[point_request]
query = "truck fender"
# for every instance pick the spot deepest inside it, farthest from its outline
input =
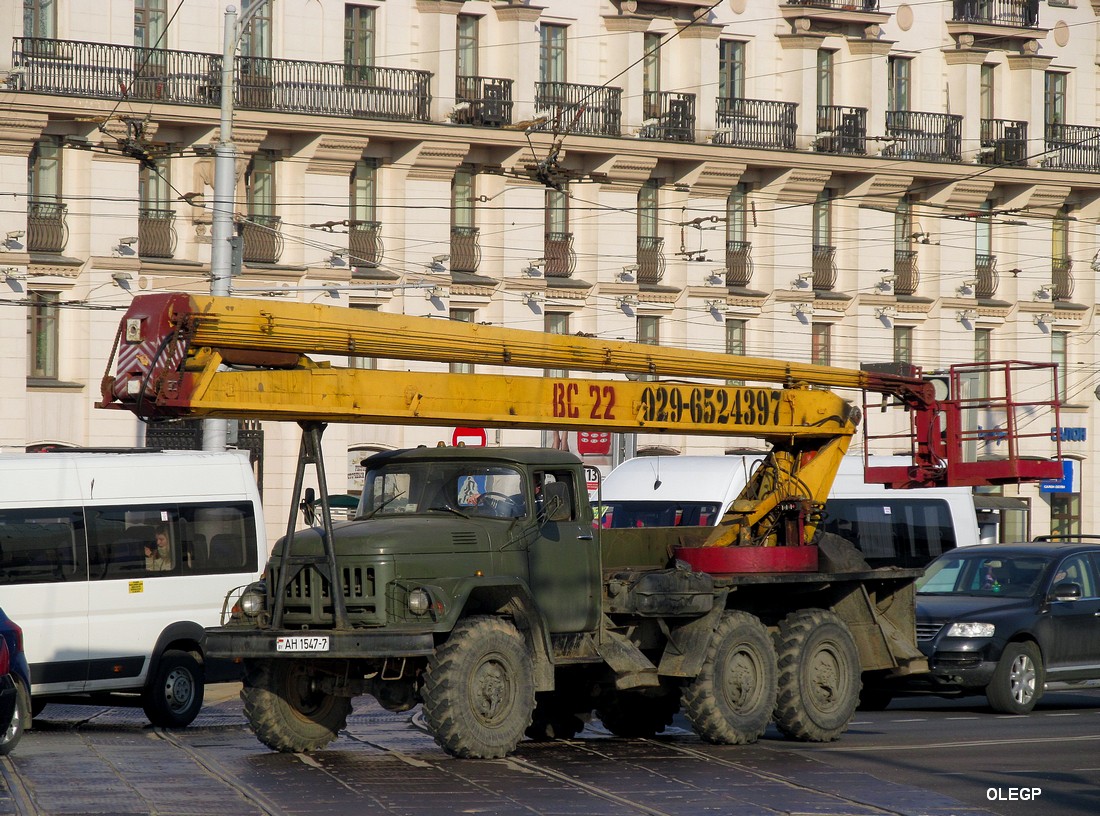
(503, 596)
(686, 643)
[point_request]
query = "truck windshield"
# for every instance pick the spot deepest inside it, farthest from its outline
(470, 489)
(658, 514)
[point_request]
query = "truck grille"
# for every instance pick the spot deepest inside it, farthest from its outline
(927, 631)
(308, 596)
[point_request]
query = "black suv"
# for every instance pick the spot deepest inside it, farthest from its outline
(1009, 620)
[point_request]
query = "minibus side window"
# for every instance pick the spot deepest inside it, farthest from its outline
(218, 538)
(42, 546)
(122, 538)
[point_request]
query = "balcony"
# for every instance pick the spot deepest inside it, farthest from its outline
(841, 130)
(465, 249)
(837, 5)
(1072, 147)
(1061, 276)
(1004, 142)
(924, 136)
(1013, 13)
(738, 263)
(906, 275)
(755, 123)
(846, 17)
(592, 110)
(120, 72)
(263, 240)
(651, 259)
(365, 247)
(669, 117)
(46, 227)
(557, 251)
(985, 273)
(482, 101)
(824, 268)
(156, 232)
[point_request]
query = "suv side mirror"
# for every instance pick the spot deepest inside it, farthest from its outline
(1066, 591)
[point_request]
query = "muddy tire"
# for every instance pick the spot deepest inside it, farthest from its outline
(173, 694)
(819, 676)
(731, 700)
(287, 709)
(479, 689)
(1018, 680)
(639, 714)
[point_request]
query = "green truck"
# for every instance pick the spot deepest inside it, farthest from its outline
(475, 582)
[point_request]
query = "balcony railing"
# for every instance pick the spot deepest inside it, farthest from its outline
(263, 241)
(738, 263)
(924, 136)
(838, 5)
(1061, 275)
(841, 130)
(669, 116)
(755, 123)
(465, 249)
(1072, 147)
(985, 274)
(1015, 13)
(46, 227)
(1004, 142)
(156, 232)
(651, 259)
(365, 247)
(105, 71)
(906, 275)
(558, 254)
(594, 110)
(824, 267)
(482, 101)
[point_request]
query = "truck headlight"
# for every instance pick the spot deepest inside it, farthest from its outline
(252, 602)
(419, 602)
(971, 629)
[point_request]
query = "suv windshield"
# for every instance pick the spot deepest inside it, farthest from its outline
(1007, 575)
(430, 487)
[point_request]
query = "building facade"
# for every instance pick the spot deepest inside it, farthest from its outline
(818, 180)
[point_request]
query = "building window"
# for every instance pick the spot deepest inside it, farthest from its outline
(1059, 354)
(737, 203)
(903, 224)
(149, 20)
(256, 39)
(1054, 98)
(647, 209)
(364, 191)
(651, 75)
(358, 42)
(466, 48)
(556, 323)
(823, 219)
(903, 344)
(42, 335)
(552, 53)
(44, 171)
(897, 83)
(40, 18)
(463, 316)
(1065, 514)
(986, 89)
(1059, 238)
(735, 342)
(824, 77)
(355, 361)
(259, 183)
(983, 353)
(731, 69)
(557, 212)
(821, 343)
(462, 198)
(983, 234)
(154, 188)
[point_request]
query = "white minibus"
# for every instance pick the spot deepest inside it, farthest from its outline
(904, 528)
(113, 563)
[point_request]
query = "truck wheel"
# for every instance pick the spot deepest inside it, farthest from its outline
(1018, 680)
(731, 700)
(479, 689)
(287, 709)
(819, 676)
(173, 694)
(636, 714)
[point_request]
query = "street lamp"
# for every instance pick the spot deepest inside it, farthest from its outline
(225, 185)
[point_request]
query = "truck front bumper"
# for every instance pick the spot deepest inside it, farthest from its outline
(233, 642)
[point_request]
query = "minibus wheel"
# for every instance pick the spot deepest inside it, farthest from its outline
(173, 694)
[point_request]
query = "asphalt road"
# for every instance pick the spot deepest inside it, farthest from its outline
(924, 757)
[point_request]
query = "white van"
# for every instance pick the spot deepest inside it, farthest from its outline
(107, 615)
(906, 528)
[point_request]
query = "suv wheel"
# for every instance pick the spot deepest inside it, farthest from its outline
(1017, 683)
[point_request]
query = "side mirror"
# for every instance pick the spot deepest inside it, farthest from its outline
(308, 508)
(1066, 591)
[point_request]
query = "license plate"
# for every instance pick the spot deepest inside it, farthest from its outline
(302, 643)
